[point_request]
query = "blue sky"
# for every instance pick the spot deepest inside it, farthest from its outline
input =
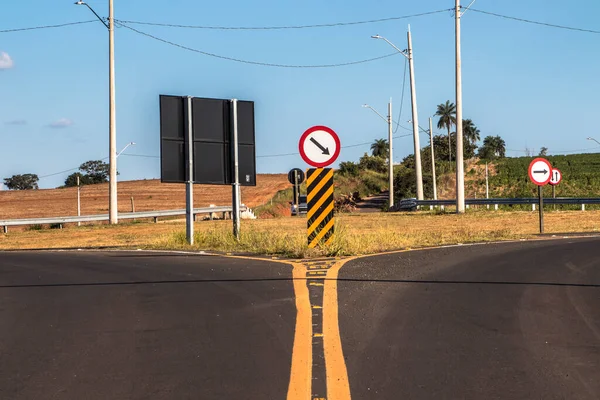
(534, 86)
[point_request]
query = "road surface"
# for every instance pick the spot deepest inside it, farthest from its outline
(506, 321)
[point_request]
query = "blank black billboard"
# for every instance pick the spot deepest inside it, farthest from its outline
(172, 143)
(212, 135)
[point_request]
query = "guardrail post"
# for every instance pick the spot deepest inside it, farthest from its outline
(533, 207)
(430, 208)
(583, 207)
(5, 229)
(156, 220)
(495, 207)
(442, 207)
(467, 206)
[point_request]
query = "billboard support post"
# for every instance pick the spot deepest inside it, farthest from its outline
(189, 185)
(236, 172)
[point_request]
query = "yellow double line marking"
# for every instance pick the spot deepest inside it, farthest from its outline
(338, 387)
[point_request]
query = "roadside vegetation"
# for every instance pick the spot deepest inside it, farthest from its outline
(356, 234)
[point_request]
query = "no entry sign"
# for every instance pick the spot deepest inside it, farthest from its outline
(540, 171)
(319, 146)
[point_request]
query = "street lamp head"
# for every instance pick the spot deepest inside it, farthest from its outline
(365, 105)
(80, 3)
(376, 37)
(590, 138)
(132, 143)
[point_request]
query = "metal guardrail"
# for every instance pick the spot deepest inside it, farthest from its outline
(104, 217)
(413, 204)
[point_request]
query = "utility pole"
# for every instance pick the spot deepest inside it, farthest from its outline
(432, 158)
(391, 155)
(113, 204)
(460, 168)
(113, 210)
(415, 119)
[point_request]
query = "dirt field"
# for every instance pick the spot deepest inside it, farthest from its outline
(148, 195)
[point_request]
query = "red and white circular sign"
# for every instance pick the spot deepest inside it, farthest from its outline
(556, 177)
(319, 146)
(540, 171)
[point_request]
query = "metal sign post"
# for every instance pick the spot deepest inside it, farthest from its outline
(541, 207)
(236, 173)
(189, 185)
(540, 173)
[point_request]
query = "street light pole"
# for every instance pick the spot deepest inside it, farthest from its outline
(408, 54)
(112, 142)
(113, 207)
(415, 119)
(391, 154)
(460, 168)
(389, 121)
(432, 158)
(591, 138)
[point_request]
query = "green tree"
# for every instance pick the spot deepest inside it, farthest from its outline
(380, 148)
(470, 131)
(72, 179)
(373, 163)
(493, 147)
(447, 118)
(22, 182)
(349, 168)
(96, 171)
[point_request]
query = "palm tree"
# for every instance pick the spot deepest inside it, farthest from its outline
(380, 148)
(447, 114)
(470, 131)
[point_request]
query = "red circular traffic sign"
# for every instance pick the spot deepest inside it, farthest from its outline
(319, 146)
(556, 177)
(540, 171)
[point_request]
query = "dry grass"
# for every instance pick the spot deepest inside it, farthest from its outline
(356, 234)
(149, 195)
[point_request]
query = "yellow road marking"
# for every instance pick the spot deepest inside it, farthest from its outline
(317, 307)
(312, 210)
(315, 284)
(338, 387)
(300, 387)
(318, 335)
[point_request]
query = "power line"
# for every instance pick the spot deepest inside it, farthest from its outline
(265, 28)
(47, 26)
(264, 64)
(570, 28)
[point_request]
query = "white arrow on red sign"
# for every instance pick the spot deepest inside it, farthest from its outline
(540, 171)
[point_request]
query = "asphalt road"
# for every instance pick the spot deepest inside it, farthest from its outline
(506, 321)
(509, 321)
(144, 326)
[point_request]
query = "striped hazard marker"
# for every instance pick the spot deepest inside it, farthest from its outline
(320, 206)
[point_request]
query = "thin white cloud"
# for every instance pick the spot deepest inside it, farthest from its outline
(61, 123)
(5, 61)
(16, 122)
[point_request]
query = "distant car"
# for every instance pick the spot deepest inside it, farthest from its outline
(303, 206)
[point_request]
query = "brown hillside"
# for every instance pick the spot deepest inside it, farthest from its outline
(149, 195)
